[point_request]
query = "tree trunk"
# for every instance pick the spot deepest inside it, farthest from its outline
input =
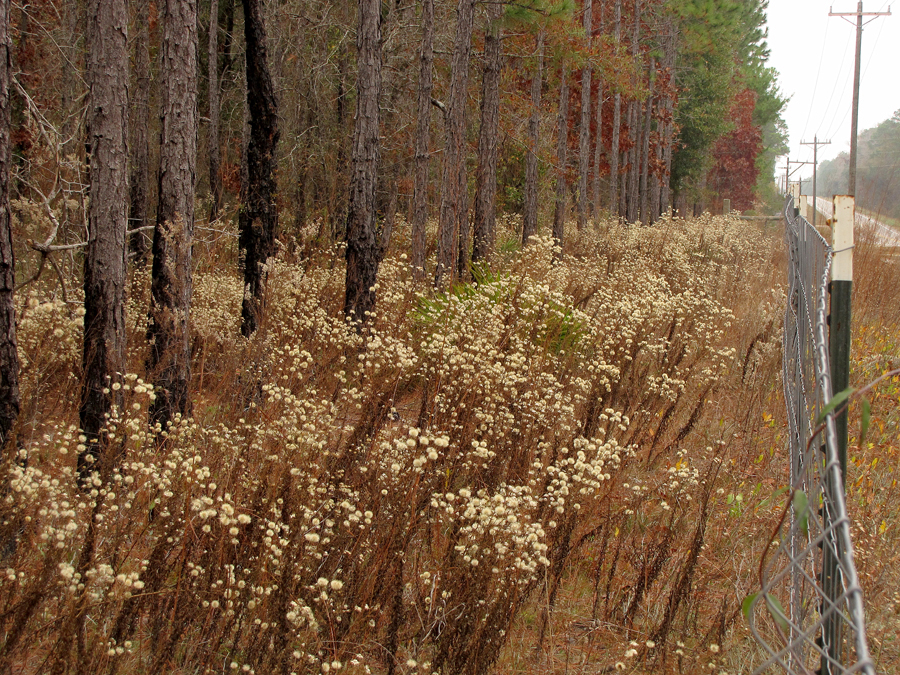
(423, 127)
(9, 358)
(669, 127)
(584, 137)
(645, 149)
(486, 176)
(170, 292)
(138, 209)
(301, 167)
(634, 124)
(616, 127)
(598, 140)
(463, 226)
(634, 139)
(559, 213)
(215, 178)
(258, 220)
(104, 261)
(454, 152)
(529, 219)
(363, 249)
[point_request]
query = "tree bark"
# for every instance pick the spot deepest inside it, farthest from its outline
(634, 124)
(9, 359)
(669, 126)
(423, 127)
(258, 220)
(171, 286)
(104, 262)
(634, 155)
(454, 152)
(363, 245)
(138, 209)
(486, 176)
(616, 126)
(645, 149)
(215, 177)
(584, 137)
(598, 140)
(559, 213)
(529, 219)
(463, 226)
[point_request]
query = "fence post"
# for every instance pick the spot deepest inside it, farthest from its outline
(839, 350)
(839, 333)
(795, 193)
(726, 207)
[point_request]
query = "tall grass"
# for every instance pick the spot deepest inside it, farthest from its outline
(562, 465)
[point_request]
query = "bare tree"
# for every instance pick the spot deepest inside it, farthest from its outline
(452, 188)
(215, 178)
(562, 131)
(584, 135)
(258, 220)
(363, 242)
(529, 219)
(486, 176)
(9, 359)
(423, 126)
(104, 262)
(171, 286)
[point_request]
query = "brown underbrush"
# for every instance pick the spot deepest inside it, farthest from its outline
(565, 465)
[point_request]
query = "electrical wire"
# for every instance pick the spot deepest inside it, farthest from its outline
(862, 76)
(835, 88)
(816, 85)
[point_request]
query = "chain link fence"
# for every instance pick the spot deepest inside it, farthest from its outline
(808, 614)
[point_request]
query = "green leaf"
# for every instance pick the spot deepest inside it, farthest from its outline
(864, 422)
(835, 401)
(747, 604)
(801, 510)
(729, 499)
(777, 612)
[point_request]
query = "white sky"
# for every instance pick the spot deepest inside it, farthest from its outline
(814, 56)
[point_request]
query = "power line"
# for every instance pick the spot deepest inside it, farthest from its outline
(865, 70)
(835, 88)
(816, 85)
(854, 120)
(815, 145)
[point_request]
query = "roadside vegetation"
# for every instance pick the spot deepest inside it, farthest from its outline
(567, 465)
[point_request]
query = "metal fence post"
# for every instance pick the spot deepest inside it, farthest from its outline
(839, 347)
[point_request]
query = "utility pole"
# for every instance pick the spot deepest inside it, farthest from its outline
(799, 184)
(854, 117)
(815, 143)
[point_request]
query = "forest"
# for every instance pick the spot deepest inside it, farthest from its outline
(877, 164)
(397, 337)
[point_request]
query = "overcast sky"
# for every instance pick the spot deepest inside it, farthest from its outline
(814, 56)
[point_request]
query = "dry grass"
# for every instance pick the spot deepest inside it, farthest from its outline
(564, 467)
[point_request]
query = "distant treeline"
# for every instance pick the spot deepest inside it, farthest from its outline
(877, 177)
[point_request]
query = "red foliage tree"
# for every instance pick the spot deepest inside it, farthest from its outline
(734, 171)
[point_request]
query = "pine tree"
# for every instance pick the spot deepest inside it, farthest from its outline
(171, 285)
(104, 262)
